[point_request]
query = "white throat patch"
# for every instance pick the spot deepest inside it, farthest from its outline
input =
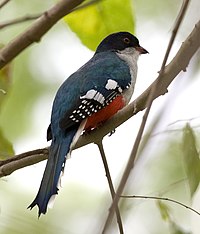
(130, 55)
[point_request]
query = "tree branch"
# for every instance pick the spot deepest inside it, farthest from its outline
(26, 18)
(188, 48)
(19, 20)
(22, 160)
(178, 64)
(3, 3)
(131, 161)
(110, 183)
(161, 199)
(35, 32)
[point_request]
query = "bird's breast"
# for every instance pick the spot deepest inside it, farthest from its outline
(105, 113)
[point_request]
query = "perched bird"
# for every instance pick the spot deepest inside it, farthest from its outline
(90, 96)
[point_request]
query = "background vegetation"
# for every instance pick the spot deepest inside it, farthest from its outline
(167, 165)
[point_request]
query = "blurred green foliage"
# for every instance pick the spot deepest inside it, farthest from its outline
(23, 94)
(164, 210)
(72, 213)
(19, 89)
(6, 148)
(95, 22)
(166, 214)
(170, 169)
(191, 158)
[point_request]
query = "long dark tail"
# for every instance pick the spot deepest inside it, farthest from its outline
(54, 167)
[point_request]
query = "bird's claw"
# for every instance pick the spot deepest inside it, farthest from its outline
(112, 132)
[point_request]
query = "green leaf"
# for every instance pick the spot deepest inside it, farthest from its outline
(16, 111)
(5, 81)
(93, 23)
(164, 210)
(191, 158)
(165, 214)
(6, 148)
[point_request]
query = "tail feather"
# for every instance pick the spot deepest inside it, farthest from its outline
(55, 165)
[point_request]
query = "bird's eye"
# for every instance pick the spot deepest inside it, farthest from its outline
(126, 40)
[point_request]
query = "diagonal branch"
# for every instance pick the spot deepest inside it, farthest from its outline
(22, 160)
(26, 18)
(131, 161)
(35, 32)
(3, 3)
(178, 64)
(187, 50)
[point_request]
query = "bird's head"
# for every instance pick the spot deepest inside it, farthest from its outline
(119, 42)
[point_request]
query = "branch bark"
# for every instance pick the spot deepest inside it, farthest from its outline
(35, 32)
(188, 48)
(178, 64)
(110, 183)
(132, 157)
(26, 18)
(161, 199)
(19, 20)
(3, 3)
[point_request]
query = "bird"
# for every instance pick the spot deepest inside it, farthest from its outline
(85, 100)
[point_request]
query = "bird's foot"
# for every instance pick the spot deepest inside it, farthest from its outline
(112, 132)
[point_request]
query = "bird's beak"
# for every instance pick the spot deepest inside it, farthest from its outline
(141, 50)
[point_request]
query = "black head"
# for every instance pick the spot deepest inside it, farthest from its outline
(120, 41)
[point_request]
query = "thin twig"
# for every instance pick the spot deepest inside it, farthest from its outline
(110, 183)
(174, 33)
(36, 16)
(37, 30)
(3, 3)
(150, 99)
(162, 199)
(19, 20)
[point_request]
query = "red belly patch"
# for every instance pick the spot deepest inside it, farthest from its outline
(104, 114)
